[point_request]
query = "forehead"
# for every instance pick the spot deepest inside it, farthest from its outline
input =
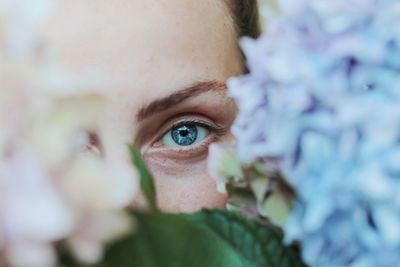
(147, 43)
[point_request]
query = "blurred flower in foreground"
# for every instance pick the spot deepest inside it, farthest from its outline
(255, 189)
(323, 99)
(54, 191)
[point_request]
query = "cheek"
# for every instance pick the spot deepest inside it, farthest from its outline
(189, 192)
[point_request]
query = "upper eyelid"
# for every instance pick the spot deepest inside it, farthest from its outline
(217, 129)
(194, 122)
(189, 121)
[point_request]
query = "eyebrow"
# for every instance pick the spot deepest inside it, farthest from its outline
(180, 96)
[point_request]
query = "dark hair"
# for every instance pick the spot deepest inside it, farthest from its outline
(246, 18)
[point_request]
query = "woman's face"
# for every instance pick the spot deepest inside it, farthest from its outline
(168, 61)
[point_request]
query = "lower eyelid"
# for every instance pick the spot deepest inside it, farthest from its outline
(182, 153)
(206, 140)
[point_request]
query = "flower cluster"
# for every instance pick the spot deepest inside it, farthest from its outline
(55, 191)
(256, 190)
(323, 99)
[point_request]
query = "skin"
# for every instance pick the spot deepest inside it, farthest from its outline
(150, 50)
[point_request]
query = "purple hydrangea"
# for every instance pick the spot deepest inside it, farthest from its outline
(323, 98)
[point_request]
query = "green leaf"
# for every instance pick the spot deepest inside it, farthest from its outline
(209, 238)
(259, 243)
(146, 179)
(167, 240)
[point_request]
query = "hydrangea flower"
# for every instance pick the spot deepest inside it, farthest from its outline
(53, 188)
(255, 189)
(323, 98)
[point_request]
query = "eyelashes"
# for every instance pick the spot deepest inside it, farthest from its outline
(217, 129)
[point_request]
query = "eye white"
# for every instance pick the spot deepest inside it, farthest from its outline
(167, 139)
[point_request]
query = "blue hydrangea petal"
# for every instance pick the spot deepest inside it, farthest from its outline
(323, 98)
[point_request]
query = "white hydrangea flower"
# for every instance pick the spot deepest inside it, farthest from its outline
(51, 189)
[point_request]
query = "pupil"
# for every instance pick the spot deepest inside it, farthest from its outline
(184, 135)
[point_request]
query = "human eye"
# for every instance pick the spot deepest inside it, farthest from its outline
(185, 134)
(187, 137)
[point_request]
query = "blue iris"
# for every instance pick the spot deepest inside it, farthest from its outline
(184, 135)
